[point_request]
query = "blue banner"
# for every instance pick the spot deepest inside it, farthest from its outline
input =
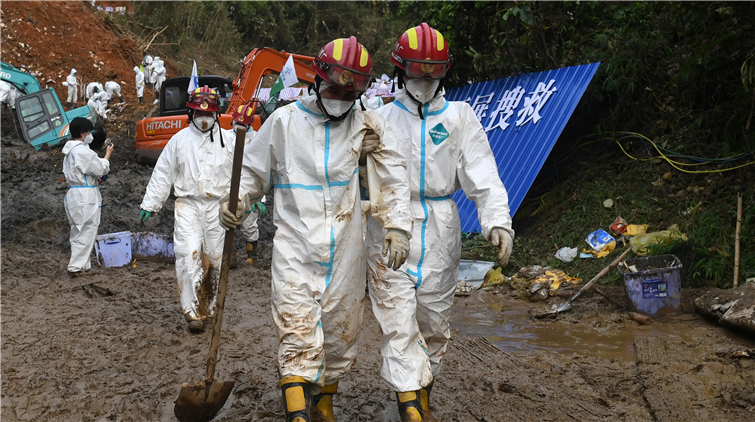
(523, 117)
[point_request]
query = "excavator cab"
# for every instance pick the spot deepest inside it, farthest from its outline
(174, 94)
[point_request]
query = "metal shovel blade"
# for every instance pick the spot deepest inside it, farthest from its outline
(196, 404)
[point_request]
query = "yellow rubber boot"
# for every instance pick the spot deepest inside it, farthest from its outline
(424, 398)
(296, 398)
(409, 406)
(251, 252)
(323, 403)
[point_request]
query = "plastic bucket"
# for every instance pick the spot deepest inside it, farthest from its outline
(655, 287)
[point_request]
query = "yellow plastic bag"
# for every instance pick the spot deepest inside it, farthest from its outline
(636, 229)
(641, 243)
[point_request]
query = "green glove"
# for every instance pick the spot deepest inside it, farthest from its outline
(259, 207)
(144, 216)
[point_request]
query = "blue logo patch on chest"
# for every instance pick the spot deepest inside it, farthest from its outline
(438, 134)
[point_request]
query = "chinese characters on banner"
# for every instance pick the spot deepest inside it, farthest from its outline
(509, 102)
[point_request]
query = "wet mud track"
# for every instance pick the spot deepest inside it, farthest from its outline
(73, 354)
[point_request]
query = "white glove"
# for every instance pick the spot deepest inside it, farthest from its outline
(502, 238)
(369, 144)
(228, 220)
(396, 246)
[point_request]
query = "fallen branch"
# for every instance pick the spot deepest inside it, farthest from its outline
(153, 38)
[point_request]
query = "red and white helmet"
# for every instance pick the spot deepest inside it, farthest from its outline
(422, 52)
(344, 62)
(203, 99)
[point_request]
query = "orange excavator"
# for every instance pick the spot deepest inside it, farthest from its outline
(153, 133)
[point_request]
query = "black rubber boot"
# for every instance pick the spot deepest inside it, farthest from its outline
(296, 399)
(409, 406)
(424, 398)
(323, 403)
(252, 252)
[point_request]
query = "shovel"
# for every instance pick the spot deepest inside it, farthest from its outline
(200, 402)
(557, 309)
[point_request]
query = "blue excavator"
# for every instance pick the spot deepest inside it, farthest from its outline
(40, 114)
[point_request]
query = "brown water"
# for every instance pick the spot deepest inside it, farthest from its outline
(608, 335)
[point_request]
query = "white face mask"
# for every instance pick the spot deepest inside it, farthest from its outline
(337, 107)
(204, 123)
(88, 139)
(423, 90)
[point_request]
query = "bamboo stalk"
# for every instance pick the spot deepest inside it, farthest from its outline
(736, 240)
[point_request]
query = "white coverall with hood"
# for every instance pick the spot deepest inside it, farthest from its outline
(112, 87)
(73, 87)
(82, 168)
(318, 264)
(139, 82)
(8, 94)
(158, 74)
(90, 88)
(98, 101)
(147, 66)
(446, 150)
(198, 168)
(152, 68)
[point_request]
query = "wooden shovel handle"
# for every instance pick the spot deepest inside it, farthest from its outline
(228, 249)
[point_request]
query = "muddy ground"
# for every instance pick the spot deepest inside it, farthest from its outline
(121, 352)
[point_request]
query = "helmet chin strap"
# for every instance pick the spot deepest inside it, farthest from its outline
(324, 109)
(215, 122)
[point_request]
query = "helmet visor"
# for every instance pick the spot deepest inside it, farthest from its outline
(421, 69)
(344, 77)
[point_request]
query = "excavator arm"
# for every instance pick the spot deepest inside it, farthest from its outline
(24, 82)
(260, 62)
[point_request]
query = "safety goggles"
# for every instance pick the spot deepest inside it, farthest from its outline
(343, 76)
(420, 69)
(204, 99)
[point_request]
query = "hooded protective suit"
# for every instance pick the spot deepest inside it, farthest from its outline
(147, 66)
(152, 67)
(82, 168)
(447, 150)
(98, 101)
(8, 94)
(90, 88)
(139, 77)
(158, 75)
(198, 168)
(112, 87)
(73, 87)
(318, 262)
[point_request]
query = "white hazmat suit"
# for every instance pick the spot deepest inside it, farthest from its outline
(446, 150)
(98, 101)
(318, 262)
(8, 94)
(198, 168)
(139, 82)
(73, 87)
(90, 88)
(82, 169)
(158, 75)
(147, 66)
(112, 87)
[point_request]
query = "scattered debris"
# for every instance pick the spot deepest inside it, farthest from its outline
(732, 307)
(641, 243)
(641, 319)
(567, 254)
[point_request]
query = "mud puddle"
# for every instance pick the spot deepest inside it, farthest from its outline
(507, 323)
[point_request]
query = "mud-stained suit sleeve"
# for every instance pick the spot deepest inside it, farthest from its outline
(163, 177)
(387, 178)
(478, 176)
(256, 171)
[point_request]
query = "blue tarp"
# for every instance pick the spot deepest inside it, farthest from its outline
(523, 117)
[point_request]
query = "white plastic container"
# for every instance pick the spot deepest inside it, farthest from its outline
(473, 272)
(114, 249)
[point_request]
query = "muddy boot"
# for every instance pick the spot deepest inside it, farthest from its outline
(251, 252)
(424, 398)
(409, 406)
(196, 326)
(323, 404)
(296, 399)
(141, 100)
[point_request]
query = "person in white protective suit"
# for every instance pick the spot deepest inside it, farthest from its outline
(447, 149)
(152, 67)
(8, 94)
(309, 150)
(196, 162)
(98, 101)
(73, 90)
(113, 88)
(158, 72)
(139, 83)
(82, 168)
(146, 65)
(90, 88)
(249, 227)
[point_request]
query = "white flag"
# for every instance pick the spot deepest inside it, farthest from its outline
(194, 80)
(288, 74)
